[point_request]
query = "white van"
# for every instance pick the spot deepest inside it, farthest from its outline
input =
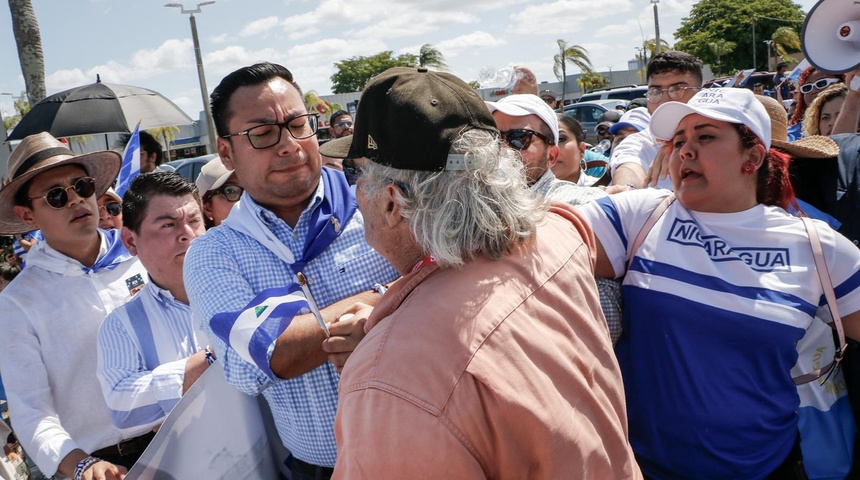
(628, 92)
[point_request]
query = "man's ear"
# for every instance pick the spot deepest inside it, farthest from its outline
(129, 239)
(225, 151)
(552, 155)
(25, 214)
(392, 210)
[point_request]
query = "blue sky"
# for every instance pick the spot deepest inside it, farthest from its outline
(143, 43)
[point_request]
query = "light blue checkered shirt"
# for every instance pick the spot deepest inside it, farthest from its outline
(225, 269)
(143, 349)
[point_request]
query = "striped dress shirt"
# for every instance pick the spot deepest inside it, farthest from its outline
(143, 348)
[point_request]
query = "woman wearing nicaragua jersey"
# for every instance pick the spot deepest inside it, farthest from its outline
(720, 291)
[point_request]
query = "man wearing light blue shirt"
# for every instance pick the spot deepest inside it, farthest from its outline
(295, 216)
(148, 354)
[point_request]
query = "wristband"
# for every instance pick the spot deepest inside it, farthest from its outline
(210, 356)
(83, 465)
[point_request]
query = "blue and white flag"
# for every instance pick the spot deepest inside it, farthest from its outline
(795, 74)
(252, 330)
(130, 162)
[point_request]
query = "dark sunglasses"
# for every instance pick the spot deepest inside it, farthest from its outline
(818, 85)
(343, 124)
(521, 138)
(113, 208)
(602, 131)
(58, 197)
(231, 192)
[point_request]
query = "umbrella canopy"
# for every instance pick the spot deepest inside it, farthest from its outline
(99, 108)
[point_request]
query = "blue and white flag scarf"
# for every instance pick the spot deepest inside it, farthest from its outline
(115, 255)
(250, 331)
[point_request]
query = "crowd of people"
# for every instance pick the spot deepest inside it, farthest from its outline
(453, 288)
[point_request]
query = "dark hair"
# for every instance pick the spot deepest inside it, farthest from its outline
(675, 61)
(800, 110)
(148, 185)
(334, 116)
(774, 185)
(254, 75)
(9, 271)
(573, 126)
(147, 142)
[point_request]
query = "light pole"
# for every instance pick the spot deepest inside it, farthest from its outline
(204, 92)
(656, 27)
(768, 42)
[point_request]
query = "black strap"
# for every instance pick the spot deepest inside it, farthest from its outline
(39, 156)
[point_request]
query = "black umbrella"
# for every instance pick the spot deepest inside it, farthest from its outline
(99, 108)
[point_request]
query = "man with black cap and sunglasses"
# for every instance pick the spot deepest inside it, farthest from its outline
(489, 348)
(50, 314)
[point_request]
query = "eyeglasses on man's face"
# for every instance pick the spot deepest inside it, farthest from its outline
(343, 124)
(269, 134)
(675, 92)
(231, 193)
(521, 138)
(820, 84)
(58, 197)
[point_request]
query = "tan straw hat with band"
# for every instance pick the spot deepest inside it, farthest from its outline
(816, 146)
(39, 153)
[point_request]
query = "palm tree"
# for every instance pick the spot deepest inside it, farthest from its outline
(168, 134)
(574, 54)
(590, 80)
(430, 56)
(721, 48)
(785, 41)
(29, 41)
(651, 45)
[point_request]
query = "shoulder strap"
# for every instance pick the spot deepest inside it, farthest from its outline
(827, 284)
(649, 224)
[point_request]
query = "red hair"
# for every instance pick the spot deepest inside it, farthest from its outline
(800, 100)
(773, 185)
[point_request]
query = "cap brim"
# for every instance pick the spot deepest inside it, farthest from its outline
(812, 147)
(508, 109)
(665, 120)
(615, 127)
(337, 148)
(103, 166)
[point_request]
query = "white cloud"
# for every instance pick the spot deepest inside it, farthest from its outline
(221, 62)
(218, 39)
(66, 79)
(578, 15)
(330, 50)
(259, 27)
(414, 22)
(473, 42)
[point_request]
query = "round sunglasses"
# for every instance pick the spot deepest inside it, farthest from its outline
(58, 197)
(113, 208)
(231, 192)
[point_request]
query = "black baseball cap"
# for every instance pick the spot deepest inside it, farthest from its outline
(408, 119)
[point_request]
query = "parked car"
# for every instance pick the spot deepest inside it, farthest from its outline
(628, 92)
(588, 114)
(187, 167)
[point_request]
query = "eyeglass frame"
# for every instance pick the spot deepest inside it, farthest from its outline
(343, 124)
(221, 191)
(357, 173)
(677, 88)
(828, 81)
(65, 191)
(529, 134)
(108, 210)
(283, 126)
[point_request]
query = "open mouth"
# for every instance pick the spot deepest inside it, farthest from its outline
(688, 173)
(81, 216)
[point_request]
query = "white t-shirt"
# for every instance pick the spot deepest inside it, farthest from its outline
(714, 305)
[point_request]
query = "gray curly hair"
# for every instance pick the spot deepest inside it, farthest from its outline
(486, 209)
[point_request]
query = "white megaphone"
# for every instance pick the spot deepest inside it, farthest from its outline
(831, 37)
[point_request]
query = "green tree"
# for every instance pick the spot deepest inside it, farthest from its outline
(573, 54)
(733, 20)
(29, 42)
(590, 80)
(721, 48)
(167, 134)
(22, 106)
(354, 73)
(430, 56)
(785, 41)
(651, 46)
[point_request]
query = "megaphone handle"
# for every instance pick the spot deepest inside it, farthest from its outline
(855, 83)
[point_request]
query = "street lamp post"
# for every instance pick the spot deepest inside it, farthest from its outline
(204, 92)
(656, 27)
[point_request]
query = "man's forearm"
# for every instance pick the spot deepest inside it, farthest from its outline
(299, 349)
(629, 174)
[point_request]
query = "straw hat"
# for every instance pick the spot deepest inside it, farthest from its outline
(815, 146)
(39, 153)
